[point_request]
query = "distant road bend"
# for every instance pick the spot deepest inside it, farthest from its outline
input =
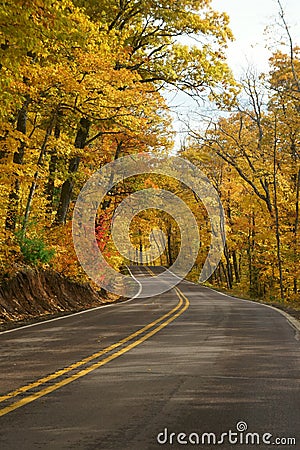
(153, 372)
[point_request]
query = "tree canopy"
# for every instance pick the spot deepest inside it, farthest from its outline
(82, 84)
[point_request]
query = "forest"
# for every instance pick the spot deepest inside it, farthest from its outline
(84, 83)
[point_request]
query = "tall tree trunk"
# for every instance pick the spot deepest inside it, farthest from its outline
(67, 187)
(169, 244)
(226, 250)
(276, 214)
(52, 167)
(51, 181)
(225, 273)
(219, 278)
(296, 227)
(35, 178)
(12, 211)
(141, 246)
(106, 203)
(253, 274)
(235, 267)
(228, 267)
(159, 250)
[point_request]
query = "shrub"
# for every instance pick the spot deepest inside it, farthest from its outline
(34, 250)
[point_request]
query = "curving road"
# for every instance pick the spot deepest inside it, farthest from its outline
(189, 368)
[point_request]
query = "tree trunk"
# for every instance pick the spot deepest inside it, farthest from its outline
(52, 168)
(169, 244)
(228, 267)
(141, 246)
(235, 267)
(12, 212)
(295, 287)
(276, 215)
(35, 179)
(222, 267)
(51, 181)
(67, 187)
(253, 274)
(159, 250)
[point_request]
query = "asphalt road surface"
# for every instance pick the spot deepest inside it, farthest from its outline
(151, 373)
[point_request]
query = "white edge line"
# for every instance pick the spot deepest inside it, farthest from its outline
(79, 312)
(294, 322)
(174, 275)
(140, 288)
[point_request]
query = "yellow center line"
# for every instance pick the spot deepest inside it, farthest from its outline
(175, 311)
(150, 271)
(86, 360)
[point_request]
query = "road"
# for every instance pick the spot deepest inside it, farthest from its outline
(135, 375)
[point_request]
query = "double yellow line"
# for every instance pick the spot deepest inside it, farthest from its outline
(154, 328)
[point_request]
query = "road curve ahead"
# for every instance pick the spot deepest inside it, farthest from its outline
(191, 368)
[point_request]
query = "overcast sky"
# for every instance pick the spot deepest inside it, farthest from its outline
(248, 20)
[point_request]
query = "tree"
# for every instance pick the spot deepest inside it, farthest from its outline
(258, 145)
(64, 103)
(148, 33)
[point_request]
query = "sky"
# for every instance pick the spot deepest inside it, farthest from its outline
(248, 21)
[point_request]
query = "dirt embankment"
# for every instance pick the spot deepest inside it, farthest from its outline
(39, 294)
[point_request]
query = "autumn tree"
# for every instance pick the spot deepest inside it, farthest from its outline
(284, 102)
(258, 148)
(82, 84)
(148, 35)
(63, 89)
